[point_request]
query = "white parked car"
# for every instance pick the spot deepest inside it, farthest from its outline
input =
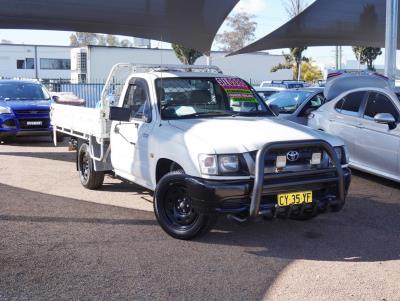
(187, 137)
(367, 119)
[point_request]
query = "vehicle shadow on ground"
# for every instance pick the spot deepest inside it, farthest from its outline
(34, 141)
(367, 230)
(54, 219)
(58, 156)
(376, 179)
(237, 261)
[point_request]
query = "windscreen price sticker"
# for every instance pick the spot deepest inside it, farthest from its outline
(236, 89)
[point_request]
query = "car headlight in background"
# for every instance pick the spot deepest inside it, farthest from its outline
(221, 165)
(5, 110)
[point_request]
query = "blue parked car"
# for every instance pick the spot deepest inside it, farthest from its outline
(24, 109)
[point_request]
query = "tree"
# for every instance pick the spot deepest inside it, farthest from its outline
(293, 61)
(242, 32)
(126, 43)
(310, 72)
(112, 40)
(367, 55)
(293, 9)
(79, 39)
(73, 40)
(101, 40)
(185, 55)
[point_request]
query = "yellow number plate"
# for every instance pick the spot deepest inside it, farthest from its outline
(295, 198)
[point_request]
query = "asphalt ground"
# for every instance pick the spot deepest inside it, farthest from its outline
(59, 241)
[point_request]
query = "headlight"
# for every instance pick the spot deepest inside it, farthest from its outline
(228, 164)
(221, 165)
(342, 154)
(5, 110)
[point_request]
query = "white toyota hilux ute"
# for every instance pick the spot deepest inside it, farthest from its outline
(207, 145)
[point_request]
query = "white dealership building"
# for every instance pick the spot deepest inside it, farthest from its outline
(92, 63)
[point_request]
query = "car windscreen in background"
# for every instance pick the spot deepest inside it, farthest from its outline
(22, 91)
(288, 101)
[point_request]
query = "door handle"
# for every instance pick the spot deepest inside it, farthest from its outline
(360, 125)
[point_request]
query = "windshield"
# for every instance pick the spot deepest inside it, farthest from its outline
(22, 91)
(180, 98)
(288, 101)
(266, 94)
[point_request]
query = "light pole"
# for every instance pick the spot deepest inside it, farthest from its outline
(392, 11)
(298, 61)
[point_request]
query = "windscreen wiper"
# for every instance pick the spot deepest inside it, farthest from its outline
(200, 114)
(251, 114)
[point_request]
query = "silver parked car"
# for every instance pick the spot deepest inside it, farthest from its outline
(367, 119)
(295, 105)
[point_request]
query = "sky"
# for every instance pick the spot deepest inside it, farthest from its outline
(269, 14)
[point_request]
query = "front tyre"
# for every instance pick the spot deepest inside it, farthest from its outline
(174, 211)
(90, 178)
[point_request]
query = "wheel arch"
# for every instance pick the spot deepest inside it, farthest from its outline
(164, 166)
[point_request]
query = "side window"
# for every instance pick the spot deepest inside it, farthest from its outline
(317, 101)
(136, 99)
(313, 104)
(379, 103)
(350, 104)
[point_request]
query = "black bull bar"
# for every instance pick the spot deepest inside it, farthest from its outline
(260, 177)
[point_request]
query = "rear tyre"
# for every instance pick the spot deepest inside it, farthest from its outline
(174, 211)
(89, 178)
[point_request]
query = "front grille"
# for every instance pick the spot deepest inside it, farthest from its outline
(33, 124)
(302, 163)
(31, 112)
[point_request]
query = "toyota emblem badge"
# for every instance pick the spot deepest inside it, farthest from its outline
(293, 156)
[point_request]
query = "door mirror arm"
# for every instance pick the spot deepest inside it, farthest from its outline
(275, 109)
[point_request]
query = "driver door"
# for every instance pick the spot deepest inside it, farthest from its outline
(129, 140)
(377, 145)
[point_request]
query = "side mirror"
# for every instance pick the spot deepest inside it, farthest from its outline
(275, 109)
(386, 118)
(308, 111)
(120, 114)
(55, 98)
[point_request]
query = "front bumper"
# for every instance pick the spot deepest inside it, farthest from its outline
(12, 125)
(259, 195)
(234, 197)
